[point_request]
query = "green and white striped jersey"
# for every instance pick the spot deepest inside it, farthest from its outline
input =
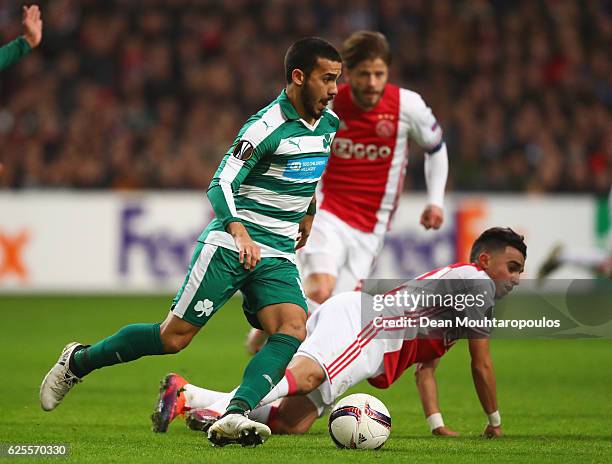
(268, 177)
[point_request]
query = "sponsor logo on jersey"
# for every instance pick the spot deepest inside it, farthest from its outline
(345, 148)
(243, 150)
(306, 168)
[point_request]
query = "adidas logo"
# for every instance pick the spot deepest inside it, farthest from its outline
(361, 438)
(204, 308)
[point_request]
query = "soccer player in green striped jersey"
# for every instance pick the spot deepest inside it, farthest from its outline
(263, 195)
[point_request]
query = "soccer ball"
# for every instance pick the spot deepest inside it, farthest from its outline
(360, 421)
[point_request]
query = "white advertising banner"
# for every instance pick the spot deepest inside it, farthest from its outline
(544, 221)
(98, 242)
(142, 242)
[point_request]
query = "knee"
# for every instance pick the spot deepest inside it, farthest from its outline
(295, 328)
(173, 343)
(176, 334)
(310, 382)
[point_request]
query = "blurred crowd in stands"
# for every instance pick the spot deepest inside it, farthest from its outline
(130, 94)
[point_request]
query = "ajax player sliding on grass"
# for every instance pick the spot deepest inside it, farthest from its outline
(263, 198)
(362, 184)
(339, 352)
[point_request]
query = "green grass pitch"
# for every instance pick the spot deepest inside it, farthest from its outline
(555, 396)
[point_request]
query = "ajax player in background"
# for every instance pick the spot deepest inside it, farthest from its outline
(362, 183)
(339, 352)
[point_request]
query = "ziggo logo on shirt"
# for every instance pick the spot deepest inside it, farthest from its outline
(345, 148)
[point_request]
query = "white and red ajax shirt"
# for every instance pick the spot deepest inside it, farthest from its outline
(365, 174)
(401, 353)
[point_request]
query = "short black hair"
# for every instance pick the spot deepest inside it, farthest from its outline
(304, 53)
(497, 238)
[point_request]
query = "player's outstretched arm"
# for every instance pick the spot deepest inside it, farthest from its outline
(484, 381)
(428, 392)
(32, 28)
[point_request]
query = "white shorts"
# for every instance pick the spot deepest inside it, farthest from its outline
(338, 249)
(336, 341)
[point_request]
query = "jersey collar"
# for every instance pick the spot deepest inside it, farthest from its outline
(287, 106)
(291, 113)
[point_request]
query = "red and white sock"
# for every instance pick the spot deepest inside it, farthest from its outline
(286, 387)
(265, 414)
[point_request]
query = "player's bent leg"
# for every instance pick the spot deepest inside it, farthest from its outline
(293, 416)
(77, 360)
(176, 333)
(319, 286)
(205, 289)
(306, 373)
(284, 318)
(273, 300)
(301, 377)
(286, 324)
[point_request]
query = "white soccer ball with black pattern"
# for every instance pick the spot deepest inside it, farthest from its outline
(360, 421)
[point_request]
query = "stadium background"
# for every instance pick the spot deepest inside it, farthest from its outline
(111, 131)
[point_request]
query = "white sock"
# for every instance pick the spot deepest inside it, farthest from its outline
(222, 403)
(196, 397)
(589, 258)
(279, 391)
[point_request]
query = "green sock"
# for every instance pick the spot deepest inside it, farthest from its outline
(130, 343)
(264, 371)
